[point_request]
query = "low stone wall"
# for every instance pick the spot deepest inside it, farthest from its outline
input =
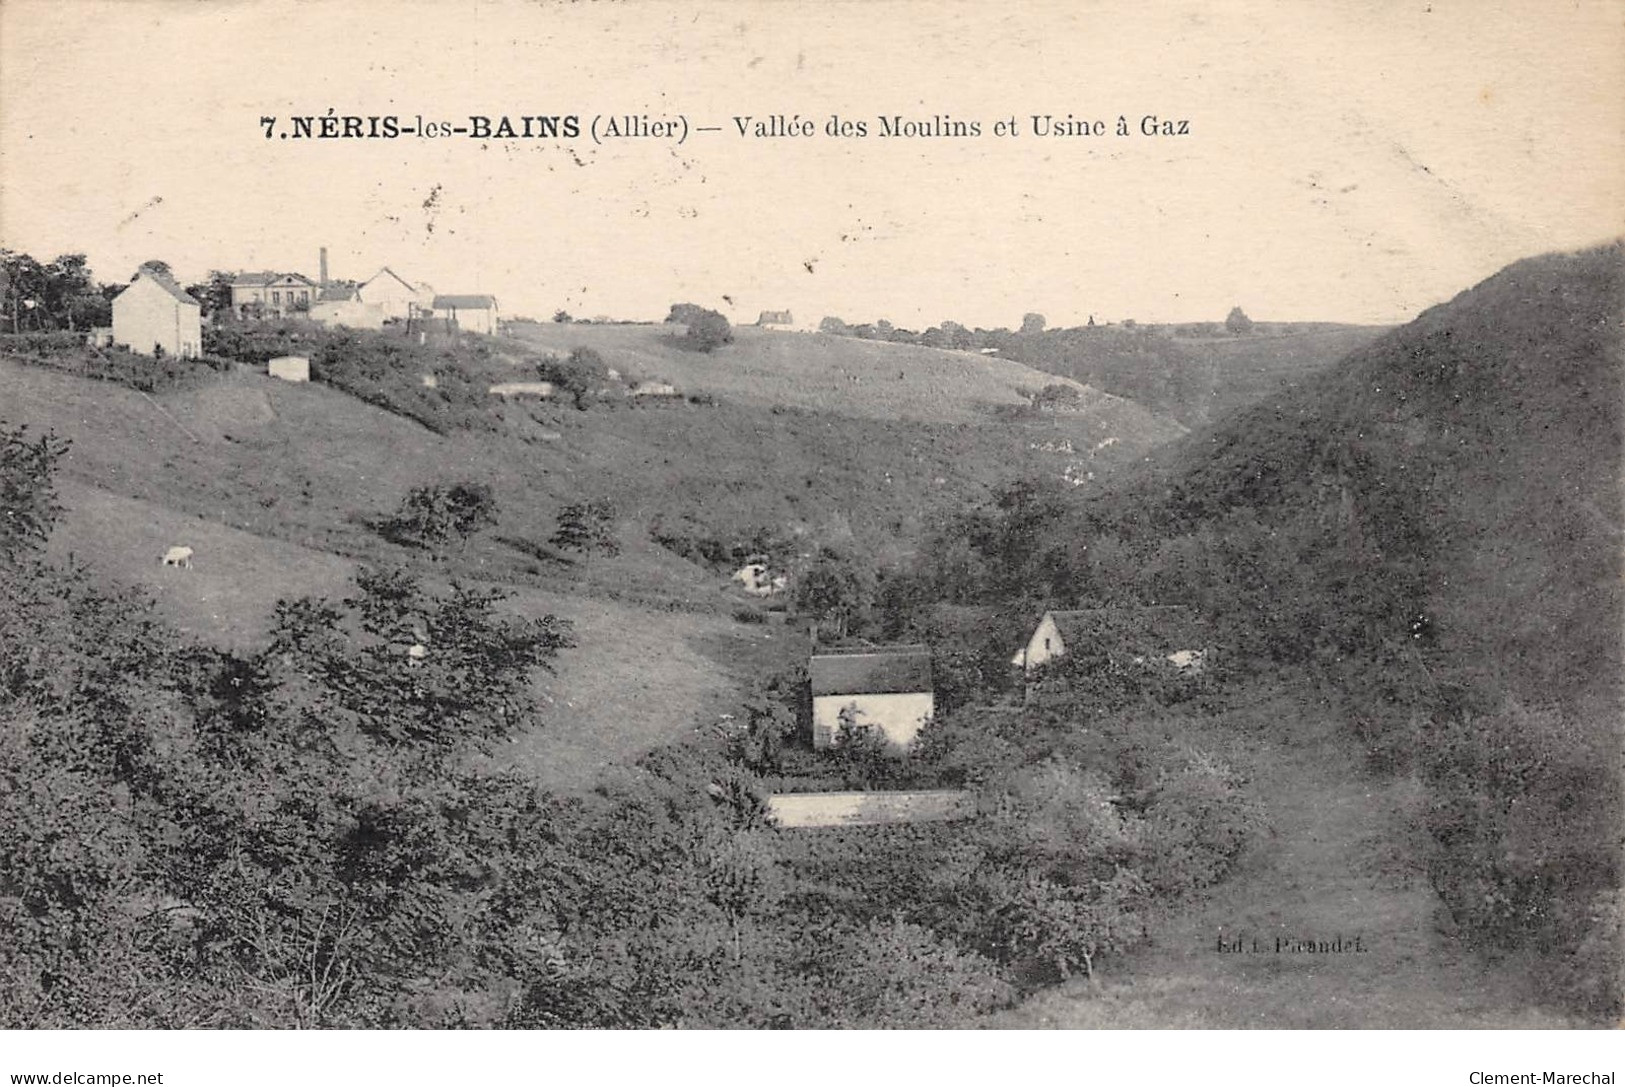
(857, 809)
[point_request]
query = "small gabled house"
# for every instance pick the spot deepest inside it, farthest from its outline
(153, 315)
(1165, 630)
(467, 312)
(1056, 629)
(888, 688)
(775, 318)
(398, 299)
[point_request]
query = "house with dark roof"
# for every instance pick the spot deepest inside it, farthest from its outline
(468, 312)
(887, 688)
(272, 293)
(154, 316)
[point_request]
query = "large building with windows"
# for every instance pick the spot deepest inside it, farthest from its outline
(272, 294)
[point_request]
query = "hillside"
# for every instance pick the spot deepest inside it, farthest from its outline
(1425, 541)
(1194, 379)
(841, 375)
(276, 485)
(1480, 444)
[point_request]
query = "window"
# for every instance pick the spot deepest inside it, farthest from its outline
(1046, 645)
(276, 298)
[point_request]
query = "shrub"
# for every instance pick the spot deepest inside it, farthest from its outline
(28, 505)
(707, 329)
(586, 527)
(432, 516)
(68, 353)
(579, 374)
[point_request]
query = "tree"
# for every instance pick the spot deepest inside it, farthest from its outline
(579, 374)
(709, 331)
(1032, 323)
(214, 294)
(54, 295)
(834, 326)
(834, 590)
(562, 317)
(432, 516)
(28, 505)
(1238, 322)
(587, 527)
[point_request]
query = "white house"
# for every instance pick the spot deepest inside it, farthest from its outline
(468, 312)
(887, 688)
(153, 314)
(1048, 641)
(1142, 628)
(398, 299)
(344, 307)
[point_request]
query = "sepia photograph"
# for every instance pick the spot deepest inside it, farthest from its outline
(907, 516)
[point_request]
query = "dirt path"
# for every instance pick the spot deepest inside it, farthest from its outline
(1341, 863)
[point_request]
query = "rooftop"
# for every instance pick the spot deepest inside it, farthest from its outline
(464, 301)
(899, 669)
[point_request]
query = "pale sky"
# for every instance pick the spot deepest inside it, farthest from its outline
(1353, 161)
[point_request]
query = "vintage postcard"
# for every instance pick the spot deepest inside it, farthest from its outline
(907, 515)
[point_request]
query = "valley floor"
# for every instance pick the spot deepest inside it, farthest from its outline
(1343, 861)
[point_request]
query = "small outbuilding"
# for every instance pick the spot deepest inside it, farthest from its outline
(466, 312)
(1059, 632)
(888, 688)
(536, 390)
(289, 368)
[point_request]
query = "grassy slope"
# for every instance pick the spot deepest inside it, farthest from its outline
(1193, 380)
(272, 484)
(595, 711)
(839, 375)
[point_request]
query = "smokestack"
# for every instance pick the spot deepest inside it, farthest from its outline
(324, 265)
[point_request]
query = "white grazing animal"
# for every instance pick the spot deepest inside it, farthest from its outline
(178, 556)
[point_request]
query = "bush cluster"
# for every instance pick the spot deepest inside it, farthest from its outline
(68, 353)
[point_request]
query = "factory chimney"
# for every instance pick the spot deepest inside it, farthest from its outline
(324, 266)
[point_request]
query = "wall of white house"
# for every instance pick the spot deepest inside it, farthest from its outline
(471, 320)
(145, 315)
(898, 716)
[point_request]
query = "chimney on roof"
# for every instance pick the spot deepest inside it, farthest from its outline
(324, 265)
